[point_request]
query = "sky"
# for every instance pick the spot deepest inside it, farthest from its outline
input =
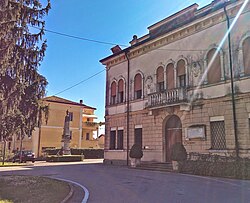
(69, 61)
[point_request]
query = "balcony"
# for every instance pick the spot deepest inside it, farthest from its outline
(168, 97)
(89, 124)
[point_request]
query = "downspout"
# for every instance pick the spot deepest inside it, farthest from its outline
(232, 85)
(128, 71)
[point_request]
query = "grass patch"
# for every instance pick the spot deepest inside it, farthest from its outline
(31, 189)
(7, 164)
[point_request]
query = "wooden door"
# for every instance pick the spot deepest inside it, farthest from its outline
(173, 134)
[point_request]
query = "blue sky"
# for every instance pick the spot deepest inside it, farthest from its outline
(69, 61)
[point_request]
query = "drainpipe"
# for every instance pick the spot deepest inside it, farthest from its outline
(128, 70)
(232, 85)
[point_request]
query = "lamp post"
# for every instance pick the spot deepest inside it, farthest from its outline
(232, 84)
(128, 72)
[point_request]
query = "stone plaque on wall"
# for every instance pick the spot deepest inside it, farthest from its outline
(196, 132)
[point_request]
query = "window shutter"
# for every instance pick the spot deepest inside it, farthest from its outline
(181, 68)
(214, 72)
(120, 86)
(160, 74)
(246, 58)
(138, 81)
(170, 76)
(113, 89)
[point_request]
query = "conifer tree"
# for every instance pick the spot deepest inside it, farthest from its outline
(22, 50)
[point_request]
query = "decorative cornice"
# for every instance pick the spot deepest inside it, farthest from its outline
(175, 35)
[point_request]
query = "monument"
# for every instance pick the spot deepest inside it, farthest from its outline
(66, 135)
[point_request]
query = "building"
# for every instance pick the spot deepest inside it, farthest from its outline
(49, 135)
(173, 85)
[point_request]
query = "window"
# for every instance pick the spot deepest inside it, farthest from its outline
(181, 73)
(160, 78)
(218, 136)
(214, 65)
(113, 93)
(138, 136)
(87, 136)
(246, 58)
(71, 116)
(88, 119)
(112, 140)
(170, 76)
(120, 139)
(138, 86)
(121, 91)
(249, 124)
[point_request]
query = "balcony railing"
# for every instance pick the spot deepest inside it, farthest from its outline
(168, 97)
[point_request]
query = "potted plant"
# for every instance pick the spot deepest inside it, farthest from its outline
(179, 153)
(135, 154)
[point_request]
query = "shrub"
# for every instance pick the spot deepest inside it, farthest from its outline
(179, 152)
(218, 166)
(136, 152)
(68, 158)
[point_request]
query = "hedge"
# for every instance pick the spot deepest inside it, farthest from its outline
(68, 158)
(218, 166)
(88, 153)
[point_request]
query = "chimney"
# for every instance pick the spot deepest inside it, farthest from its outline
(116, 49)
(81, 101)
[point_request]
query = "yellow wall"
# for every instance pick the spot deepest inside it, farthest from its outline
(51, 132)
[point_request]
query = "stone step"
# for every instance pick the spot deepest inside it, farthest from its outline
(167, 167)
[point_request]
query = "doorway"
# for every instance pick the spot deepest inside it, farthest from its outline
(173, 134)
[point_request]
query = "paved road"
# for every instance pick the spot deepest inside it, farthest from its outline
(120, 184)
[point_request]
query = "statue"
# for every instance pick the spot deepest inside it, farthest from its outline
(66, 135)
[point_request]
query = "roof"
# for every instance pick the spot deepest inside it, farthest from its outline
(60, 100)
(164, 26)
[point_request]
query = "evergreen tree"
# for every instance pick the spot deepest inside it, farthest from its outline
(22, 49)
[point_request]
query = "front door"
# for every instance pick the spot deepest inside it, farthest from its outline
(173, 134)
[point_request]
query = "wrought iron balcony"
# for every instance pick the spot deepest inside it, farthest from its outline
(167, 97)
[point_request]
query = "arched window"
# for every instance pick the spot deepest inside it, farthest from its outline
(246, 55)
(181, 73)
(214, 72)
(160, 78)
(138, 86)
(121, 91)
(113, 93)
(170, 76)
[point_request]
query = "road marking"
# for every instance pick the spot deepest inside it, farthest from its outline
(86, 196)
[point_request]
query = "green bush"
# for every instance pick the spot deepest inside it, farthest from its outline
(68, 158)
(218, 166)
(179, 152)
(136, 152)
(88, 153)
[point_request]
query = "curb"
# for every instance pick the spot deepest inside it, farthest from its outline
(71, 192)
(86, 195)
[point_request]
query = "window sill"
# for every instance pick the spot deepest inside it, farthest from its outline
(218, 150)
(115, 150)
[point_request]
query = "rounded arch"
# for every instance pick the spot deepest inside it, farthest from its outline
(121, 89)
(113, 91)
(214, 65)
(138, 85)
(170, 76)
(244, 49)
(243, 38)
(182, 72)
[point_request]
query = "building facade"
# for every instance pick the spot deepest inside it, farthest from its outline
(49, 135)
(174, 85)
